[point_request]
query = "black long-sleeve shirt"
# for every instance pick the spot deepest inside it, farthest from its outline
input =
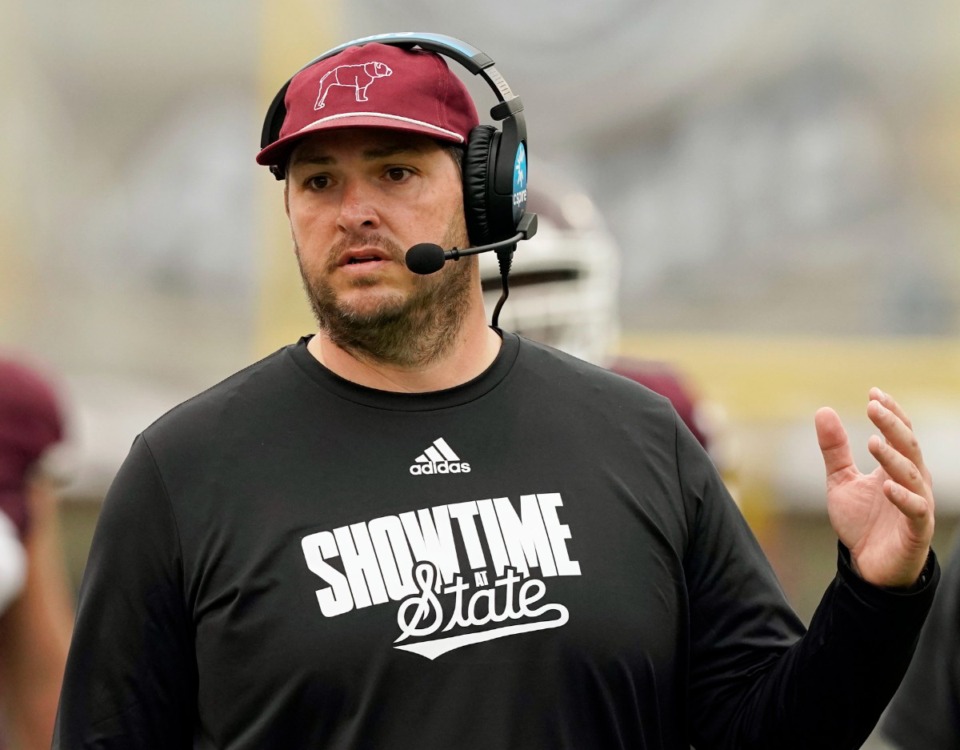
(543, 557)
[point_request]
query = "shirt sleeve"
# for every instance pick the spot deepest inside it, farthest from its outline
(758, 678)
(925, 712)
(130, 679)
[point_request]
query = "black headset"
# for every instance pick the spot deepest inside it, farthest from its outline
(495, 161)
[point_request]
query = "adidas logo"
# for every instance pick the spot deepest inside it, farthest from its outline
(439, 458)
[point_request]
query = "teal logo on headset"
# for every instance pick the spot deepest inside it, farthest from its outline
(519, 183)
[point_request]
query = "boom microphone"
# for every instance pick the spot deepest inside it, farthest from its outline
(426, 257)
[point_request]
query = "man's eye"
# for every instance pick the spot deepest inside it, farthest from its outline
(318, 182)
(397, 174)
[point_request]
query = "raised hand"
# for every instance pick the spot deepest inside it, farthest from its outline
(885, 518)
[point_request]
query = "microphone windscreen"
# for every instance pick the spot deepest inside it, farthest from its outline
(425, 258)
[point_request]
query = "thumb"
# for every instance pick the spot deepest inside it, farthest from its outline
(834, 444)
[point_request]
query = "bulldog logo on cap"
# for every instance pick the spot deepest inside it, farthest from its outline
(358, 77)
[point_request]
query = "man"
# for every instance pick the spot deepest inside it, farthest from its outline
(411, 530)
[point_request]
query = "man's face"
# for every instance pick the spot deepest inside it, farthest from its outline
(358, 199)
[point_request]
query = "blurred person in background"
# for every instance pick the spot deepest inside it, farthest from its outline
(569, 274)
(36, 608)
(414, 529)
(925, 712)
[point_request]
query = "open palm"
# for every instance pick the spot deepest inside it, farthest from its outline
(885, 518)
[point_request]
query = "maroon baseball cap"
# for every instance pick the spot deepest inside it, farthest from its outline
(375, 86)
(30, 423)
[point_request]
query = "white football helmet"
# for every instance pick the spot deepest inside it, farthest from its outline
(563, 280)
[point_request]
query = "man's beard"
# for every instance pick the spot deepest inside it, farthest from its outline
(409, 332)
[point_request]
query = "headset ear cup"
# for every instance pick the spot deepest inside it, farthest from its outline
(476, 183)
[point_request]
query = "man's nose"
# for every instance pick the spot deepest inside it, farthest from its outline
(358, 208)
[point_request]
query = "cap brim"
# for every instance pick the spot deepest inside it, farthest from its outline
(277, 151)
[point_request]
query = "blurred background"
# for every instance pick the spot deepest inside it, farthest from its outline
(768, 193)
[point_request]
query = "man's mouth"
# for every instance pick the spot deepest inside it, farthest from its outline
(363, 259)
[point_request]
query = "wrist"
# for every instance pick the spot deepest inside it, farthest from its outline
(905, 584)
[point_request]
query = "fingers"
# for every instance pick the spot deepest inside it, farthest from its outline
(885, 399)
(914, 506)
(834, 444)
(899, 451)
